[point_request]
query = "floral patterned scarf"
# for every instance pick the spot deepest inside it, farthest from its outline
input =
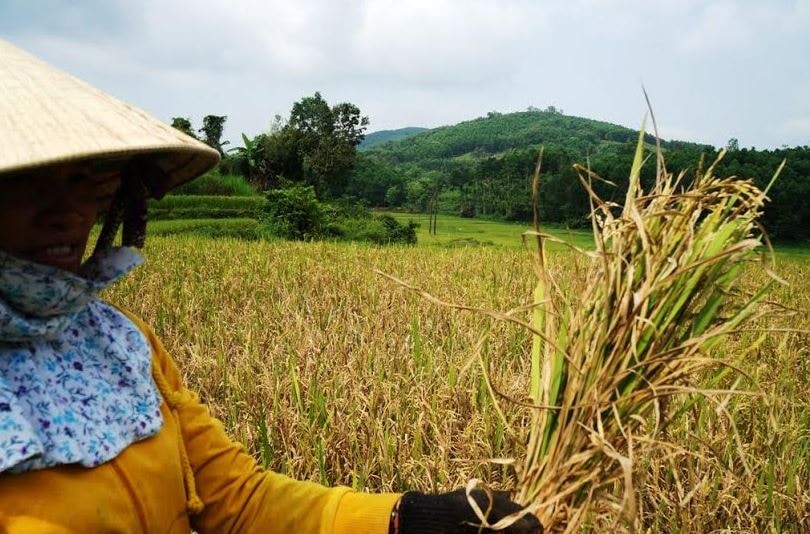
(75, 373)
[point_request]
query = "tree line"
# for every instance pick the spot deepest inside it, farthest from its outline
(315, 146)
(483, 167)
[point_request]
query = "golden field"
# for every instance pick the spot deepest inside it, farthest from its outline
(328, 371)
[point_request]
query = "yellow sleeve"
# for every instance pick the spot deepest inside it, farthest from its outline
(29, 525)
(240, 496)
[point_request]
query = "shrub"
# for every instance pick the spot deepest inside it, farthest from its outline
(450, 201)
(349, 208)
(396, 232)
(293, 213)
(467, 211)
(377, 229)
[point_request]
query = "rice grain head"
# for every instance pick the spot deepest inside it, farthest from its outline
(661, 290)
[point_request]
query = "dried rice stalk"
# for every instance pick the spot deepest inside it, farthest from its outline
(660, 293)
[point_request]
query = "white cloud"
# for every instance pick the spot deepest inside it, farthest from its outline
(431, 41)
(797, 127)
(445, 42)
(739, 25)
(711, 66)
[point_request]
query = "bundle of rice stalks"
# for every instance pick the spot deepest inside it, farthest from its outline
(660, 291)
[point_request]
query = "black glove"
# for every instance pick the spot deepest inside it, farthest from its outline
(451, 513)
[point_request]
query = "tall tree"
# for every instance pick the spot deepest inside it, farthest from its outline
(184, 125)
(247, 160)
(312, 117)
(349, 126)
(282, 159)
(212, 128)
(317, 145)
(733, 144)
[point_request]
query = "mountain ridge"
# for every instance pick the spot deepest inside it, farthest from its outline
(497, 132)
(384, 136)
(483, 167)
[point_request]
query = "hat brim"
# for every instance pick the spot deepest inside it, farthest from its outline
(179, 164)
(48, 118)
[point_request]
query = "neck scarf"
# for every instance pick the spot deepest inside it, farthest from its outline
(75, 373)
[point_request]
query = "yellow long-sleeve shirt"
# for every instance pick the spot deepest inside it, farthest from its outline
(147, 489)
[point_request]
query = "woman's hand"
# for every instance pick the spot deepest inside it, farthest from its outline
(451, 513)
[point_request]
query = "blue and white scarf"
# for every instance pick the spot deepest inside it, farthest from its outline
(75, 373)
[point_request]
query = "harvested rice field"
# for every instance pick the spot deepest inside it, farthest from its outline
(330, 372)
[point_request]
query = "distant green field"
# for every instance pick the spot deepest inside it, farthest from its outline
(452, 232)
(458, 231)
(797, 251)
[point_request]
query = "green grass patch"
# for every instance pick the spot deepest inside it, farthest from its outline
(217, 184)
(235, 228)
(794, 250)
(452, 231)
(204, 207)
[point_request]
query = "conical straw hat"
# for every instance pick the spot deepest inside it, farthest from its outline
(48, 117)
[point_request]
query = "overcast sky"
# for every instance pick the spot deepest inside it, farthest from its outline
(714, 69)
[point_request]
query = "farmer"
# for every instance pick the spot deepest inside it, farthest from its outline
(98, 433)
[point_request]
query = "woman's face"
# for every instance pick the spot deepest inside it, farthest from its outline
(46, 215)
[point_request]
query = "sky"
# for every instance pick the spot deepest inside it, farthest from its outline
(713, 69)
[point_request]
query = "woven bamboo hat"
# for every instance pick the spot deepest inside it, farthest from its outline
(48, 117)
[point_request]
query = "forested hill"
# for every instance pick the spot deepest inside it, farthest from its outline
(483, 167)
(383, 136)
(499, 132)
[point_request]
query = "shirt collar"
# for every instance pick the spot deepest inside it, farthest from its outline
(40, 300)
